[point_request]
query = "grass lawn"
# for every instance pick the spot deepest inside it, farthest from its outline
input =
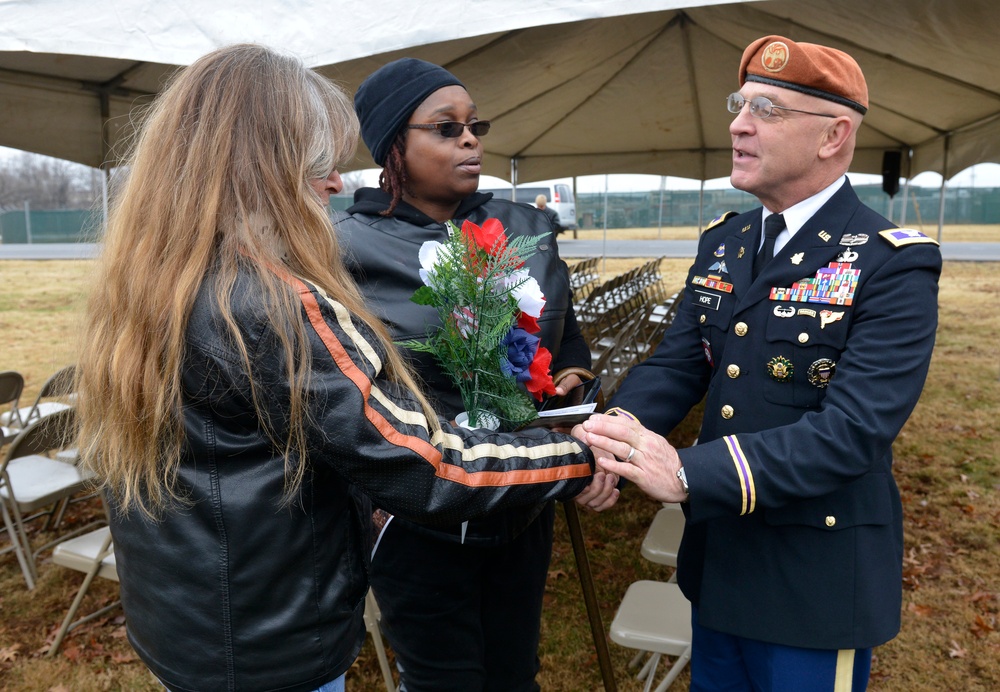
(946, 466)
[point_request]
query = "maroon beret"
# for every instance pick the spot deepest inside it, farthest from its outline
(826, 73)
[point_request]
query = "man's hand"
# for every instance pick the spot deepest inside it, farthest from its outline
(647, 459)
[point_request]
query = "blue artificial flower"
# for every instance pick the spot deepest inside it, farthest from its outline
(521, 349)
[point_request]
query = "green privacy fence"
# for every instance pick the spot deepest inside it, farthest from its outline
(680, 207)
(59, 226)
(963, 205)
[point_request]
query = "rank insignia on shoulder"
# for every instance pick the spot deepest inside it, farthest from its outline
(898, 237)
(720, 219)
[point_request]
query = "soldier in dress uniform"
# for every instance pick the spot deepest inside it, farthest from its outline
(809, 363)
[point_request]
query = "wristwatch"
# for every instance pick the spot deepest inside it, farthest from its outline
(683, 478)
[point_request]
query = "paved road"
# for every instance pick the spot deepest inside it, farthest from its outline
(568, 247)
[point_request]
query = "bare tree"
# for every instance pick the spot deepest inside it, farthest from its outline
(47, 183)
(352, 181)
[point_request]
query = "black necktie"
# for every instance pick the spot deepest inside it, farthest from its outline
(773, 225)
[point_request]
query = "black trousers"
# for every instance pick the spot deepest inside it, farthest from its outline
(463, 618)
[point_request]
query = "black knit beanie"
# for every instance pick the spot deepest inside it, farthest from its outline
(387, 98)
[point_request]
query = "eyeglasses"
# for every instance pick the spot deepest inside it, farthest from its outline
(452, 129)
(761, 107)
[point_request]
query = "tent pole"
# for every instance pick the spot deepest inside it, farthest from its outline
(663, 184)
(513, 178)
(604, 246)
(575, 202)
(906, 186)
(701, 206)
(944, 180)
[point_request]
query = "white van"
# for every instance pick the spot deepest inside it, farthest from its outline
(559, 196)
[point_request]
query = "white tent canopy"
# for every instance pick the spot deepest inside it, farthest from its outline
(574, 87)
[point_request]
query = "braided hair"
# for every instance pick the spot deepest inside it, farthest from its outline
(393, 178)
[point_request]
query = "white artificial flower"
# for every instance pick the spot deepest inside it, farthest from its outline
(526, 292)
(430, 253)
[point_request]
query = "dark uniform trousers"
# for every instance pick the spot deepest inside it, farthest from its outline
(794, 533)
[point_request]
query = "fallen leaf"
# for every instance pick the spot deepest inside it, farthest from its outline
(921, 610)
(9, 653)
(124, 657)
(980, 628)
(957, 651)
(557, 574)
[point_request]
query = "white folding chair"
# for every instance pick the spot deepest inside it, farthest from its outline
(59, 386)
(663, 539)
(33, 485)
(654, 616)
(11, 385)
(93, 554)
(372, 617)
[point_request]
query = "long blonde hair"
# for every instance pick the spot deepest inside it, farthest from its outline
(218, 179)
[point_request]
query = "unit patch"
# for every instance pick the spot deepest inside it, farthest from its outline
(707, 347)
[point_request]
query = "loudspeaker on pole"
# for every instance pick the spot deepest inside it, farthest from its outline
(891, 161)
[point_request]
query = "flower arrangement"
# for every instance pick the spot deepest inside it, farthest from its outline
(489, 308)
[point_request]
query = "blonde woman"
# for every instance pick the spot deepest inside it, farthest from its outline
(236, 393)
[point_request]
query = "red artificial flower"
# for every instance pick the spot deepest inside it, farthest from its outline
(489, 237)
(528, 323)
(541, 381)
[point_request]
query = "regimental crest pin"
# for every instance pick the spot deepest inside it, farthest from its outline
(739, 255)
(829, 317)
(721, 250)
(780, 369)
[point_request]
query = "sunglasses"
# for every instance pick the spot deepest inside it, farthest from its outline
(452, 129)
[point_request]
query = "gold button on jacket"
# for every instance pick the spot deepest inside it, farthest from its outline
(727, 411)
(741, 329)
(733, 371)
(830, 521)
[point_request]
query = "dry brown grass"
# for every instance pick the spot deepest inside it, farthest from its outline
(946, 466)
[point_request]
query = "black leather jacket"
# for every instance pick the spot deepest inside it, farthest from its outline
(236, 591)
(382, 254)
